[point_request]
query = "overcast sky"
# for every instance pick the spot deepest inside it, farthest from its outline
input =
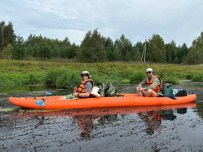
(178, 20)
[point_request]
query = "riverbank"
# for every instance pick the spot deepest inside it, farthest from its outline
(65, 73)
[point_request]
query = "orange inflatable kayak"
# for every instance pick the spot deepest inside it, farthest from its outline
(57, 102)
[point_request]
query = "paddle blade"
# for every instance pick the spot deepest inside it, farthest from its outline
(40, 103)
(48, 94)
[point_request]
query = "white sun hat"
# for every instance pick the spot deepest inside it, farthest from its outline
(85, 72)
(149, 70)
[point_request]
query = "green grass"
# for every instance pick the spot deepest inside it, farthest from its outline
(198, 76)
(65, 73)
(137, 77)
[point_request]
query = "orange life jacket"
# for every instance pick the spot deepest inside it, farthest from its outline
(158, 117)
(81, 88)
(86, 125)
(159, 87)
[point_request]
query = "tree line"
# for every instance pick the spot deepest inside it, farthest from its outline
(97, 48)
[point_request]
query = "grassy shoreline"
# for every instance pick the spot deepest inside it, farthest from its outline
(65, 73)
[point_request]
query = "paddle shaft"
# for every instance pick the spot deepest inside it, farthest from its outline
(41, 103)
(43, 99)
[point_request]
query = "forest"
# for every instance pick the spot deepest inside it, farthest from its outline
(95, 48)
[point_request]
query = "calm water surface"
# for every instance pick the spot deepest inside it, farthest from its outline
(166, 128)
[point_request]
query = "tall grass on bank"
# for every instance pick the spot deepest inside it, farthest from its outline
(170, 79)
(11, 79)
(139, 76)
(61, 78)
(198, 76)
(65, 74)
(64, 78)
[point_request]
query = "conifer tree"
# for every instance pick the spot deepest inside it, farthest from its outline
(157, 48)
(92, 48)
(195, 55)
(7, 35)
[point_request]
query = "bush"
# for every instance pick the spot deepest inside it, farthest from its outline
(34, 78)
(68, 79)
(137, 77)
(198, 77)
(11, 79)
(62, 78)
(170, 79)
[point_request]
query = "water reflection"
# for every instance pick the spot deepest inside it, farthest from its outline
(106, 119)
(153, 119)
(86, 119)
(199, 109)
(41, 122)
(86, 124)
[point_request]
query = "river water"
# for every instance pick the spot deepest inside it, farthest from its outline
(166, 128)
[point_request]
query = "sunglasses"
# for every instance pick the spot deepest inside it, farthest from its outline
(84, 75)
(148, 72)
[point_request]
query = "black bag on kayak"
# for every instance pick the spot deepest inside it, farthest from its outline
(181, 93)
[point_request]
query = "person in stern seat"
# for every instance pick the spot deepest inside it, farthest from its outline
(154, 85)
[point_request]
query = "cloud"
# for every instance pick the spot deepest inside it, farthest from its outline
(177, 20)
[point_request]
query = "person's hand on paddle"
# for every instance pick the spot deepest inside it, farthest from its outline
(76, 94)
(75, 89)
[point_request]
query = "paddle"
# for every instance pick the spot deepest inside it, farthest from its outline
(74, 88)
(41, 102)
